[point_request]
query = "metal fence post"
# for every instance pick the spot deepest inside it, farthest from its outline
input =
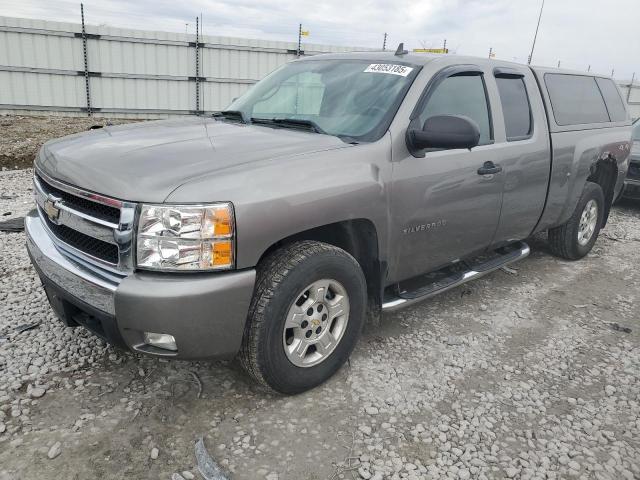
(197, 66)
(86, 62)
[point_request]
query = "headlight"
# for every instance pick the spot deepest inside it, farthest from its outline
(186, 237)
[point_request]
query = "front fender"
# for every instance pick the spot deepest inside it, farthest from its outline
(275, 199)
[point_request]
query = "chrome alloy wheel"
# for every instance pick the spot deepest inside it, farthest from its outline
(315, 323)
(588, 222)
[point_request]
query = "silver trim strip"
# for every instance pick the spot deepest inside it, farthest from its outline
(79, 280)
(94, 197)
(398, 303)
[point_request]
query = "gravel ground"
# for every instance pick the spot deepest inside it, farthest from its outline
(530, 372)
(22, 136)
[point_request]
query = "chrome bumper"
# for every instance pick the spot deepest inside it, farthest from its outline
(74, 276)
(205, 313)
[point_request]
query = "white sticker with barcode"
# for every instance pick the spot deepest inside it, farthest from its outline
(390, 68)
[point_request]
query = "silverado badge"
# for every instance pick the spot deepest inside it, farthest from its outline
(424, 226)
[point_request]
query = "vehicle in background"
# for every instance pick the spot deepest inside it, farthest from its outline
(338, 186)
(632, 182)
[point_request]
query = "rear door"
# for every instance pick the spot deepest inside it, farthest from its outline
(522, 145)
(442, 207)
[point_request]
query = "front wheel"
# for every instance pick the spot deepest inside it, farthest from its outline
(306, 315)
(576, 237)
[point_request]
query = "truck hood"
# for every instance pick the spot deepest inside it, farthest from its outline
(147, 161)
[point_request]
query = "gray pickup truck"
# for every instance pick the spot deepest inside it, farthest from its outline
(338, 187)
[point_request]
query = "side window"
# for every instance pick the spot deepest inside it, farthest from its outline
(611, 95)
(461, 95)
(515, 107)
(575, 99)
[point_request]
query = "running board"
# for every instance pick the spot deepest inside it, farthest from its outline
(454, 276)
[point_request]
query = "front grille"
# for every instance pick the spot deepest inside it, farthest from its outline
(107, 252)
(98, 210)
(634, 171)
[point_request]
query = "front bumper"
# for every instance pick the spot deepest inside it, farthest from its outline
(205, 312)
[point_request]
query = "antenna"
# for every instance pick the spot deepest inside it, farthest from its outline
(536, 34)
(400, 50)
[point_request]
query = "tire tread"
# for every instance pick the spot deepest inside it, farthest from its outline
(271, 273)
(561, 240)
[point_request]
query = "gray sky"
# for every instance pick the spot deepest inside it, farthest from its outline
(578, 33)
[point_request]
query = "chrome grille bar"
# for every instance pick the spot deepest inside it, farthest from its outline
(76, 218)
(72, 218)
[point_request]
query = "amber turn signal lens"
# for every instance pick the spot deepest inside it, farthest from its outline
(223, 223)
(222, 253)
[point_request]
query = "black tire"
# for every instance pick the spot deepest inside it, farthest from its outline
(563, 240)
(280, 278)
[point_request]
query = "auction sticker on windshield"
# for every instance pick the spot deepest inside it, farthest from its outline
(389, 68)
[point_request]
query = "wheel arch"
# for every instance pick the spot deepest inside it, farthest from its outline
(358, 237)
(604, 172)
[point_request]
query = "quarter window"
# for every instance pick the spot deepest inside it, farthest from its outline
(461, 95)
(612, 98)
(575, 99)
(515, 107)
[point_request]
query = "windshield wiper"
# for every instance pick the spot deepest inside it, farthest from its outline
(230, 115)
(290, 123)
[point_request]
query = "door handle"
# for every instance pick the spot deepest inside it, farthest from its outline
(489, 168)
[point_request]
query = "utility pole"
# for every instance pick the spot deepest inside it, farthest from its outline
(299, 40)
(633, 77)
(490, 51)
(384, 42)
(533, 46)
(444, 47)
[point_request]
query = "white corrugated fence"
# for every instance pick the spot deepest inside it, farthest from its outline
(130, 72)
(139, 73)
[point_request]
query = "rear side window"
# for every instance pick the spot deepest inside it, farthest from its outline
(461, 95)
(612, 99)
(575, 99)
(515, 107)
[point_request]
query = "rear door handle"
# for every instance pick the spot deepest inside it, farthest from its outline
(489, 168)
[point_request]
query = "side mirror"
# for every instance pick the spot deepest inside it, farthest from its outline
(446, 132)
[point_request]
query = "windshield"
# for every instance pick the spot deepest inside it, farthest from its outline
(636, 131)
(347, 98)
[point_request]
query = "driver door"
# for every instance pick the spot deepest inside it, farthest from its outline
(442, 208)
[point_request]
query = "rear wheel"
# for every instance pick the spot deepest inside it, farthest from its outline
(305, 317)
(576, 237)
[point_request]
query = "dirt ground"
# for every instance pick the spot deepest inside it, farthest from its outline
(22, 136)
(529, 372)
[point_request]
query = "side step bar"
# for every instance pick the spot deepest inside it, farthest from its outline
(474, 269)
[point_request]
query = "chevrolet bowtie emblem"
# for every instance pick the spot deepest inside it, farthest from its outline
(51, 209)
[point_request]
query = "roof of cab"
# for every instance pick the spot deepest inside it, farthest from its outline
(417, 59)
(413, 58)
(425, 58)
(380, 56)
